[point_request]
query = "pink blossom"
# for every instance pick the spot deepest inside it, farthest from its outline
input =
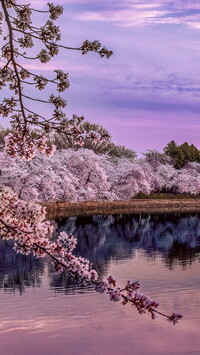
(175, 317)
(102, 286)
(115, 294)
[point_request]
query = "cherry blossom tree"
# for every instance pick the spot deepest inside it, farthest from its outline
(68, 175)
(164, 177)
(188, 179)
(71, 175)
(25, 222)
(20, 36)
(80, 175)
(129, 177)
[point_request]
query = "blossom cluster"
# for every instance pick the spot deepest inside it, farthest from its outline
(175, 317)
(130, 294)
(55, 11)
(95, 46)
(14, 75)
(27, 147)
(25, 223)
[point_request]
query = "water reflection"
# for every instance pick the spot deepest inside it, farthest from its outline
(183, 254)
(174, 238)
(18, 271)
(55, 317)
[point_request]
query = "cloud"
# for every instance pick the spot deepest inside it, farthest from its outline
(139, 13)
(130, 13)
(163, 87)
(50, 67)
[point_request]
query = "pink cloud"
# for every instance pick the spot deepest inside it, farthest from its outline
(50, 67)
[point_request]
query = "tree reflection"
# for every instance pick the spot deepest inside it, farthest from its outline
(17, 271)
(183, 254)
(174, 236)
(101, 239)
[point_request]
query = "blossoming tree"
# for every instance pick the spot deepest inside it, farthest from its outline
(25, 222)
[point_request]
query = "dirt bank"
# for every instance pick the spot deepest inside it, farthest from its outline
(66, 209)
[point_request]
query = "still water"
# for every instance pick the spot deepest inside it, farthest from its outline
(42, 314)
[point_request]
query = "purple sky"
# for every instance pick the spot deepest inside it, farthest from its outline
(148, 92)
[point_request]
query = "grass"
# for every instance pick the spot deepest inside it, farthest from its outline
(164, 196)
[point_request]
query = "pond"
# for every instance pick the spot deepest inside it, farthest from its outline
(42, 314)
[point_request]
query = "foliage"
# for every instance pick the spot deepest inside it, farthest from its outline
(164, 196)
(3, 133)
(119, 151)
(154, 158)
(90, 132)
(100, 146)
(61, 141)
(182, 154)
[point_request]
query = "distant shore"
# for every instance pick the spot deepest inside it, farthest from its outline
(67, 209)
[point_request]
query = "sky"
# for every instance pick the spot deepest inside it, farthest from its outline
(148, 92)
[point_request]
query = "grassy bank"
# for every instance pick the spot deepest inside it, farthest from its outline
(66, 209)
(165, 196)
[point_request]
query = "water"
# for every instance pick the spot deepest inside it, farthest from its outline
(42, 314)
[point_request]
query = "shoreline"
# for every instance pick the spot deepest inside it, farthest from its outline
(85, 208)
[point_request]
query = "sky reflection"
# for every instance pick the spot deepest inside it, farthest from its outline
(44, 322)
(54, 318)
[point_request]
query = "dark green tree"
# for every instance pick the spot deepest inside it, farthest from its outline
(99, 146)
(182, 154)
(171, 149)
